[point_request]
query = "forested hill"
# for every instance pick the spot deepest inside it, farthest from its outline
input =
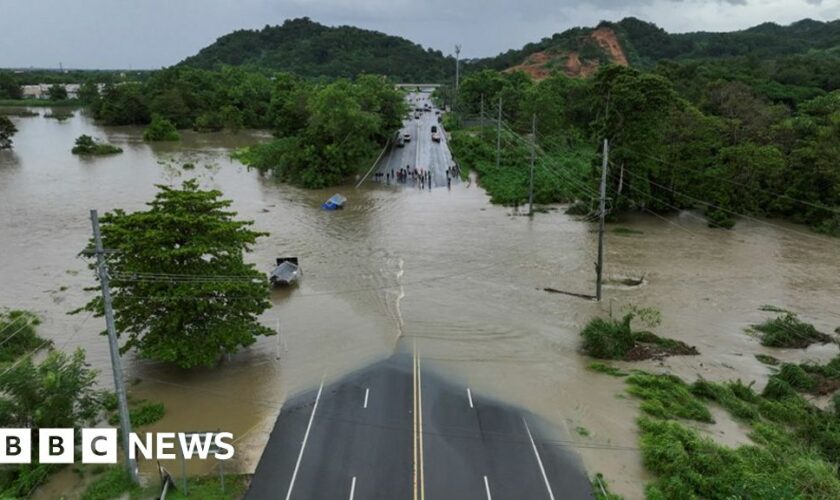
(310, 49)
(579, 51)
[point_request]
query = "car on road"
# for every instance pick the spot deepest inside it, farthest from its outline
(435, 134)
(400, 142)
(406, 137)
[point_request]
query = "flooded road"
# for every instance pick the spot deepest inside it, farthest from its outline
(443, 268)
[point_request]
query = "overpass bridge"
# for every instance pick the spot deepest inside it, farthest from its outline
(425, 87)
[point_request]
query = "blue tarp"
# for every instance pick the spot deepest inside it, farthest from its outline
(335, 202)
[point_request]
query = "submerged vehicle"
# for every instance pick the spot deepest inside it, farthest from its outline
(286, 273)
(335, 202)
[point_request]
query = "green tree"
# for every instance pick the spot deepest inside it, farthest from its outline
(58, 392)
(57, 92)
(7, 130)
(9, 86)
(17, 334)
(124, 104)
(289, 107)
(86, 145)
(182, 291)
(89, 92)
(160, 129)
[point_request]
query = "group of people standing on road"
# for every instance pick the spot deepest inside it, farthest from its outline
(420, 178)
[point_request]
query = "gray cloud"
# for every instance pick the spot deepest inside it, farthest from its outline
(154, 33)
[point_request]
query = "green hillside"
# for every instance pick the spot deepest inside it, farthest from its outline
(309, 49)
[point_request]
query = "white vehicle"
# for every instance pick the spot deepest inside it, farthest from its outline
(406, 137)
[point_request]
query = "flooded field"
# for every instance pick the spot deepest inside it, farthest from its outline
(444, 268)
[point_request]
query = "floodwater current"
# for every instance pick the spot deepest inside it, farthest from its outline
(444, 268)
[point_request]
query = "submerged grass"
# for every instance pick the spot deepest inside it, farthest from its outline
(691, 466)
(796, 447)
(667, 396)
(787, 330)
(601, 490)
(767, 359)
(597, 366)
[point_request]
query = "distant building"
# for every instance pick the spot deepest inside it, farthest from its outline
(42, 90)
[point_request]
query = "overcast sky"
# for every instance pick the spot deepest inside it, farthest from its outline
(155, 33)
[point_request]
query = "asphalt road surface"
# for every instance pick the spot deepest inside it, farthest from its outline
(421, 151)
(395, 431)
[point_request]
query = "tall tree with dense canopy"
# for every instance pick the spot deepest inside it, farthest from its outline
(182, 291)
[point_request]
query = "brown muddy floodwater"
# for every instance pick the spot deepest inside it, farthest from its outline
(445, 268)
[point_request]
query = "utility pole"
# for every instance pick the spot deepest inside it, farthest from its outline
(457, 79)
(457, 66)
(533, 153)
(481, 118)
(499, 135)
(116, 366)
(602, 209)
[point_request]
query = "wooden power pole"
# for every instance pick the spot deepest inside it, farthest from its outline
(602, 211)
(533, 153)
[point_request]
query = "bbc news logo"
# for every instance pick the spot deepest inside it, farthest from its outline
(99, 446)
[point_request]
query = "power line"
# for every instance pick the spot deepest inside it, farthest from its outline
(732, 212)
(736, 183)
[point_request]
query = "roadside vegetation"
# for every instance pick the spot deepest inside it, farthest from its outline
(508, 184)
(114, 482)
(608, 338)
(326, 133)
(682, 135)
(86, 145)
(794, 450)
(795, 445)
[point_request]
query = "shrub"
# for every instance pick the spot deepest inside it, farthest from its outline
(114, 483)
(142, 414)
(18, 334)
(86, 145)
(796, 377)
(160, 129)
(787, 330)
(608, 338)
